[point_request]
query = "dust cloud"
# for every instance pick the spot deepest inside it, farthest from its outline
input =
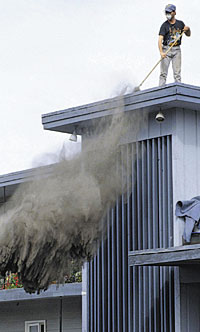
(57, 219)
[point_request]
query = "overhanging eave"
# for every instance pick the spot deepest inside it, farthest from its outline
(176, 95)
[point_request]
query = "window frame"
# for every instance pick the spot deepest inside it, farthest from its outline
(37, 323)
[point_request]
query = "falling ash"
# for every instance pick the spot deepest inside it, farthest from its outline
(58, 219)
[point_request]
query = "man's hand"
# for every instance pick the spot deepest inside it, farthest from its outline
(163, 55)
(187, 31)
(186, 28)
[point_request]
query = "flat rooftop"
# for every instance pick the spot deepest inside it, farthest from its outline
(170, 96)
(175, 95)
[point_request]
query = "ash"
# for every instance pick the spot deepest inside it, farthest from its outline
(57, 220)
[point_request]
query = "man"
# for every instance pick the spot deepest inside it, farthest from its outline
(169, 31)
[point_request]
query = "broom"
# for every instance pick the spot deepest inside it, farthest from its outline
(137, 88)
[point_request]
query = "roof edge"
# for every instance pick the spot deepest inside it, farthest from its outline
(78, 118)
(54, 291)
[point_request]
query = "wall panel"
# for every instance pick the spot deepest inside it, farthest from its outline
(138, 298)
(14, 314)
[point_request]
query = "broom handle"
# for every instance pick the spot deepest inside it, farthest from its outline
(161, 59)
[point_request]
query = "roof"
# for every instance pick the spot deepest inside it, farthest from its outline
(24, 175)
(171, 95)
(54, 291)
(176, 95)
(9, 182)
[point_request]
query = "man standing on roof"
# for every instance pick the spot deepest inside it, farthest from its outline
(170, 30)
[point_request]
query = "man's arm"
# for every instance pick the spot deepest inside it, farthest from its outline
(187, 31)
(160, 40)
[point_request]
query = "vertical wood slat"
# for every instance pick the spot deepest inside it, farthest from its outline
(144, 232)
(155, 232)
(170, 229)
(165, 229)
(135, 316)
(99, 293)
(95, 294)
(160, 230)
(150, 228)
(87, 300)
(119, 266)
(91, 298)
(105, 247)
(129, 238)
(134, 198)
(140, 238)
(108, 279)
(103, 263)
(124, 243)
(114, 271)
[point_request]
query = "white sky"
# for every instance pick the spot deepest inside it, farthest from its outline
(56, 54)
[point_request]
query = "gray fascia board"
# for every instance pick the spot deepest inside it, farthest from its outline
(15, 178)
(54, 291)
(171, 95)
(106, 112)
(173, 256)
(24, 176)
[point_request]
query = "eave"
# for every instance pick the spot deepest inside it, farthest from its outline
(24, 176)
(175, 95)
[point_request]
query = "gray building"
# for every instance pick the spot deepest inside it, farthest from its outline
(142, 277)
(126, 294)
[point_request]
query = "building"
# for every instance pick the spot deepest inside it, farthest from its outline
(143, 278)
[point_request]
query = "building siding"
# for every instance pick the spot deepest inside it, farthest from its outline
(138, 299)
(190, 305)
(186, 161)
(72, 316)
(14, 314)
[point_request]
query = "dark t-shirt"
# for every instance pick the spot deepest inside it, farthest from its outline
(171, 32)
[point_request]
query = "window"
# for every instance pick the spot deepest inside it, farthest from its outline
(35, 326)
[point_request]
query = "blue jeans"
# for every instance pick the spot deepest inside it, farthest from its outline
(174, 55)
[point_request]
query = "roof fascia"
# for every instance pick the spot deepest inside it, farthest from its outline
(176, 95)
(24, 176)
(54, 291)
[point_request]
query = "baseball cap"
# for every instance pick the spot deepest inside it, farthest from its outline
(170, 8)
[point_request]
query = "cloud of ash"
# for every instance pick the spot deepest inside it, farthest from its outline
(57, 219)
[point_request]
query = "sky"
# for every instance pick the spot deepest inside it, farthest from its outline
(57, 54)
